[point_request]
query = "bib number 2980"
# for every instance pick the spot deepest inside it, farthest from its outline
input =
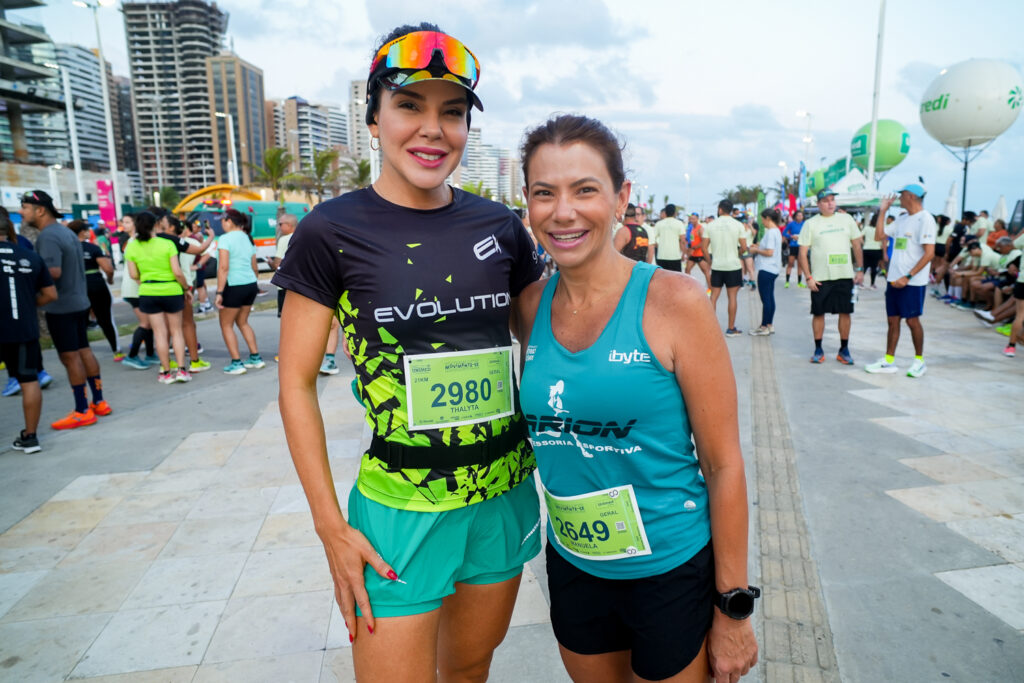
(459, 388)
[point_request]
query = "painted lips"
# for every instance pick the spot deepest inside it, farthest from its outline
(429, 158)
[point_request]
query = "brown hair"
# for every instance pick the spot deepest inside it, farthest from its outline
(78, 226)
(569, 128)
(7, 226)
(773, 215)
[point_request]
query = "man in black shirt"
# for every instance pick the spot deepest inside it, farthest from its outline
(29, 285)
(632, 239)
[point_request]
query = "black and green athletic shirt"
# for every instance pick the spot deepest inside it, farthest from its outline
(417, 281)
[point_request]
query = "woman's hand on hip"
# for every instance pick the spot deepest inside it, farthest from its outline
(348, 552)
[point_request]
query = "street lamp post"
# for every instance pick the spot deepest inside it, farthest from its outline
(76, 157)
(111, 149)
(233, 163)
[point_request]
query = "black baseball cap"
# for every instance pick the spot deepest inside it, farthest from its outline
(40, 198)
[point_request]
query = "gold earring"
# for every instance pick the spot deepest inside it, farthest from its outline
(377, 148)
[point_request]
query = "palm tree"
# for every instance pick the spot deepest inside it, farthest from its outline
(324, 172)
(786, 186)
(169, 197)
(274, 172)
(355, 173)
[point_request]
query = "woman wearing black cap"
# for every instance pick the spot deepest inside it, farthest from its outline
(421, 276)
(236, 290)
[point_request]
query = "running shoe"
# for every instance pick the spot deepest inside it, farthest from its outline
(1004, 330)
(874, 286)
(254, 362)
(44, 379)
(1010, 351)
(760, 332)
(936, 293)
(329, 367)
(182, 376)
(881, 367)
(787, 285)
(153, 359)
(119, 356)
(917, 369)
(13, 388)
(165, 377)
(963, 306)
(801, 285)
(173, 364)
(75, 419)
(235, 367)
(135, 362)
(205, 307)
(985, 315)
(844, 357)
(277, 359)
(818, 357)
(29, 444)
(733, 332)
(946, 298)
(198, 365)
(199, 348)
(102, 409)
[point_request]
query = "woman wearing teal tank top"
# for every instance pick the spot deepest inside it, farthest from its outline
(647, 535)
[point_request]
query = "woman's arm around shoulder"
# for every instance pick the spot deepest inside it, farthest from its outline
(524, 311)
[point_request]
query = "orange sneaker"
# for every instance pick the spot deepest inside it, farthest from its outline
(75, 419)
(102, 409)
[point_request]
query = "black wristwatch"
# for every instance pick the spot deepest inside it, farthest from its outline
(739, 602)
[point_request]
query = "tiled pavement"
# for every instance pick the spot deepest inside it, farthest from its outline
(205, 567)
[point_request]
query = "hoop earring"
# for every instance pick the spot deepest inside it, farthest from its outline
(377, 148)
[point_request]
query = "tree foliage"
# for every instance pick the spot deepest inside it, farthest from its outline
(274, 171)
(355, 173)
(169, 197)
(324, 173)
(742, 195)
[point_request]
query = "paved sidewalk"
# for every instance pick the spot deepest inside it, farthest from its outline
(172, 542)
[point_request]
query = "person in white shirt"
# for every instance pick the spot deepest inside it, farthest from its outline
(768, 261)
(913, 248)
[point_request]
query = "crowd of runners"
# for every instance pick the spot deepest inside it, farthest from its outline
(425, 285)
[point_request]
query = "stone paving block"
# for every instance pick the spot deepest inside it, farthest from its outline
(271, 626)
(14, 586)
(154, 638)
(774, 604)
(944, 503)
(798, 606)
(100, 486)
(804, 649)
(337, 666)
(284, 571)
(779, 672)
(46, 649)
(989, 587)
(123, 542)
(824, 650)
(178, 674)
(85, 588)
(211, 536)
(66, 515)
(950, 468)
(1003, 535)
(302, 667)
(776, 636)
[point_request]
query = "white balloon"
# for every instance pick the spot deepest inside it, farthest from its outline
(972, 102)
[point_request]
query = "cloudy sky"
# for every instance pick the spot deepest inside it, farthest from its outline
(705, 88)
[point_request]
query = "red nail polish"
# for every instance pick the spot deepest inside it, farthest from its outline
(370, 629)
(392, 575)
(351, 638)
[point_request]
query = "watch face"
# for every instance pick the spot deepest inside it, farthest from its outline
(741, 604)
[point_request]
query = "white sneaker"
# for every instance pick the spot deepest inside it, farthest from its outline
(760, 332)
(881, 367)
(917, 369)
(985, 315)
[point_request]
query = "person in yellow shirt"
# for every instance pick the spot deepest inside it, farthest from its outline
(727, 239)
(830, 237)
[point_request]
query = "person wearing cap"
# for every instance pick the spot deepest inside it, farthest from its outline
(727, 239)
(668, 240)
(422, 276)
(791, 233)
(830, 238)
(26, 284)
(67, 318)
(632, 239)
(913, 247)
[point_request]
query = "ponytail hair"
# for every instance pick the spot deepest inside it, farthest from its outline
(144, 224)
(242, 221)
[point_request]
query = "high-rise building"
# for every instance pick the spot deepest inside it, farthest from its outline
(337, 126)
(168, 44)
(236, 88)
(49, 134)
(305, 129)
(27, 85)
(124, 132)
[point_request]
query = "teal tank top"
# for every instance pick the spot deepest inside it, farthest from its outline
(610, 416)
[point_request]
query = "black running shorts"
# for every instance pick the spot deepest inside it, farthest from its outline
(661, 619)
